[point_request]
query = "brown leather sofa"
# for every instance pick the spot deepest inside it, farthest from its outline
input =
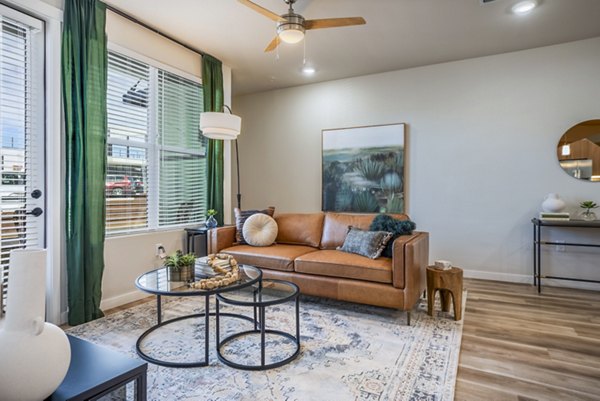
(305, 254)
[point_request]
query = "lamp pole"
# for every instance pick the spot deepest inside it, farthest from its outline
(237, 164)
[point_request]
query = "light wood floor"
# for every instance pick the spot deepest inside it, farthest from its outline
(518, 345)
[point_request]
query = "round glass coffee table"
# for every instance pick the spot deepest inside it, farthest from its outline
(156, 282)
(260, 296)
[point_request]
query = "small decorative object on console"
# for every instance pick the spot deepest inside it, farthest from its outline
(211, 222)
(588, 214)
(555, 216)
(443, 264)
(223, 264)
(553, 204)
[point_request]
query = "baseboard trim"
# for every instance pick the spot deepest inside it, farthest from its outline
(527, 279)
(122, 299)
(133, 296)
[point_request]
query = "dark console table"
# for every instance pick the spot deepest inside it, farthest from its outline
(96, 371)
(537, 245)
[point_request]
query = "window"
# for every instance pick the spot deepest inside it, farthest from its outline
(156, 166)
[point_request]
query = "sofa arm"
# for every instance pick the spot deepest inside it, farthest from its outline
(409, 260)
(220, 238)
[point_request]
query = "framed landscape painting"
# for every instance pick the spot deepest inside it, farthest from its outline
(363, 169)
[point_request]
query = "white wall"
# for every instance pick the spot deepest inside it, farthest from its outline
(127, 257)
(481, 149)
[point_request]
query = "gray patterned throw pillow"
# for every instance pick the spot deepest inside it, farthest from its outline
(365, 243)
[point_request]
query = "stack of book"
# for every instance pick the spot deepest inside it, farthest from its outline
(555, 216)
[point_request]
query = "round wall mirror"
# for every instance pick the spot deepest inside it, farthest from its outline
(578, 151)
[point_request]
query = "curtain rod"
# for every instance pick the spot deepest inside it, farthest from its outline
(151, 28)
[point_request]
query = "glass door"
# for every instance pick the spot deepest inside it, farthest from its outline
(22, 137)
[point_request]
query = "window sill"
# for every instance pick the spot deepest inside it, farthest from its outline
(142, 232)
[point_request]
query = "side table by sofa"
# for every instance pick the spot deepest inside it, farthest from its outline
(450, 284)
(195, 241)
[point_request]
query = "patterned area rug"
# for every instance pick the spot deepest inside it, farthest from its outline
(348, 352)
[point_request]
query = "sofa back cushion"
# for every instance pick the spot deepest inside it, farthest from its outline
(299, 228)
(335, 226)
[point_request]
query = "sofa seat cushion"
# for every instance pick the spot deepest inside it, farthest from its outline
(277, 257)
(334, 263)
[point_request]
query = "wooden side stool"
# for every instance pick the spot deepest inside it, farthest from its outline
(449, 283)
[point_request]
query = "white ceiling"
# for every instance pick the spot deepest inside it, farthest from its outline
(398, 34)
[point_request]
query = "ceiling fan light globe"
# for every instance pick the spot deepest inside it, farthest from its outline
(291, 36)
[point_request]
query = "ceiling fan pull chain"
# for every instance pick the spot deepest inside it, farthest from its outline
(304, 55)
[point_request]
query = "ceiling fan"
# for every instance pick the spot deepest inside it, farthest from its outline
(291, 26)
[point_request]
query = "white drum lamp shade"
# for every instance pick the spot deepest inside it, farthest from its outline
(216, 125)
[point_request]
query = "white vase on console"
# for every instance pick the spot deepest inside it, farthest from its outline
(34, 355)
(553, 204)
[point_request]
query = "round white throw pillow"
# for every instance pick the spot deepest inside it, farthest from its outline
(260, 230)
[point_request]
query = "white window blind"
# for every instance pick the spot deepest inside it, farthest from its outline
(128, 147)
(21, 135)
(182, 165)
(156, 167)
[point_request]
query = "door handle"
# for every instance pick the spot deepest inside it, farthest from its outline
(36, 212)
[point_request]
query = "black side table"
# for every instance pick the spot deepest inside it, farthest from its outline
(96, 371)
(259, 297)
(192, 234)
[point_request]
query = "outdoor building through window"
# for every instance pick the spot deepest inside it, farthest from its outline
(156, 166)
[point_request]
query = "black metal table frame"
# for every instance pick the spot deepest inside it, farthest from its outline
(206, 314)
(259, 321)
(537, 245)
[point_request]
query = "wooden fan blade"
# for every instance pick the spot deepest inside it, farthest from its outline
(263, 11)
(333, 22)
(274, 43)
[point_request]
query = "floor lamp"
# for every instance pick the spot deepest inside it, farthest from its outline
(220, 125)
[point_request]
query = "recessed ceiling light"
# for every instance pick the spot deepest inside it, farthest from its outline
(308, 70)
(523, 7)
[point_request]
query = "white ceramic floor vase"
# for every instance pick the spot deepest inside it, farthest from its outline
(34, 355)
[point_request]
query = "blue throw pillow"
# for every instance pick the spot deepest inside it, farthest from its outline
(383, 222)
(365, 243)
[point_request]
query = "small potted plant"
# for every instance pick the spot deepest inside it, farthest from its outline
(588, 214)
(211, 222)
(180, 267)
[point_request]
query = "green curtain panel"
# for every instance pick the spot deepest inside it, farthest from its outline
(84, 64)
(212, 85)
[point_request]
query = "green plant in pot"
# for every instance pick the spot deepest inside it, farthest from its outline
(588, 213)
(211, 221)
(180, 267)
